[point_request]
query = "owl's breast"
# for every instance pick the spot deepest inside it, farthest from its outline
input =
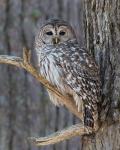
(51, 71)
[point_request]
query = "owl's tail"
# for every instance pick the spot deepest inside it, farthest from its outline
(91, 117)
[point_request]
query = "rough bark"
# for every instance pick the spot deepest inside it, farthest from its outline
(102, 30)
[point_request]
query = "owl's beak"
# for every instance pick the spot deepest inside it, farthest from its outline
(56, 40)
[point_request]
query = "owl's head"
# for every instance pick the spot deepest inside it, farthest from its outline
(54, 32)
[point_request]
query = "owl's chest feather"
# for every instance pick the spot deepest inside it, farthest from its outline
(51, 71)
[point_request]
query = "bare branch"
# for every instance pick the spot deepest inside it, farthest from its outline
(25, 63)
(66, 100)
(74, 130)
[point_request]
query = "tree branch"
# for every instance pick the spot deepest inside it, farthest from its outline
(66, 100)
(25, 64)
(74, 130)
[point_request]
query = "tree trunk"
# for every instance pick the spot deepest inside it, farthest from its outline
(102, 34)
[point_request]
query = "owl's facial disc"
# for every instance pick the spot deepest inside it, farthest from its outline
(54, 35)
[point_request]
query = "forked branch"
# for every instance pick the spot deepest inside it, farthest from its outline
(25, 64)
(69, 104)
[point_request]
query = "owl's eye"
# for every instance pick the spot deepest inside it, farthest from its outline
(62, 33)
(49, 33)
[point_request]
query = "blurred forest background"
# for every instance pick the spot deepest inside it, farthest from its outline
(25, 109)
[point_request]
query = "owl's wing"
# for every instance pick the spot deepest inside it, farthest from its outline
(79, 65)
(86, 66)
(81, 73)
(82, 76)
(84, 73)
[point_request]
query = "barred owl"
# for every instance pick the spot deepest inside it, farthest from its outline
(68, 67)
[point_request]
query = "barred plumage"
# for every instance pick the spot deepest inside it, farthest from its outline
(68, 67)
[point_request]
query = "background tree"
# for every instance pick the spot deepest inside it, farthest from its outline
(24, 108)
